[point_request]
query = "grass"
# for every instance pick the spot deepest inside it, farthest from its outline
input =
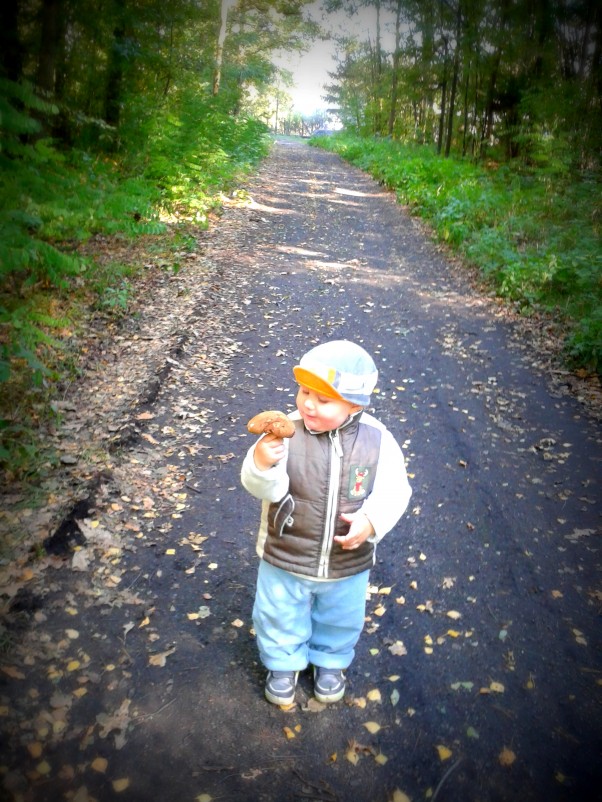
(63, 216)
(533, 232)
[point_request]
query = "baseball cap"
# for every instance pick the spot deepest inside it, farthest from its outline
(338, 369)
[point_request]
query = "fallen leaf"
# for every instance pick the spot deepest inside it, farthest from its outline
(506, 757)
(43, 768)
(374, 695)
(238, 623)
(444, 752)
(381, 759)
(398, 648)
(120, 785)
(399, 796)
(160, 658)
(372, 726)
(99, 764)
(35, 749)
(394, 697)
(288, 732)
(12, 672)
(454, 614)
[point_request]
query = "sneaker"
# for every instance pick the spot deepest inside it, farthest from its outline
(280, 687)
(329, 684)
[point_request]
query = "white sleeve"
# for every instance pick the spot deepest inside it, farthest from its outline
(391, 491)
(270, 485)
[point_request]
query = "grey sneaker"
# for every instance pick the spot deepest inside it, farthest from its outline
(329, 684)
(280, 687)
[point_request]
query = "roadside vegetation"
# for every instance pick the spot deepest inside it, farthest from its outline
(534, 233)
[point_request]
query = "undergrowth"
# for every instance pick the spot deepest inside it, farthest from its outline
(534, 233)
(52, 203)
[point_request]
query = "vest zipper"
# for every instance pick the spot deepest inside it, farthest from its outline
(332, 504)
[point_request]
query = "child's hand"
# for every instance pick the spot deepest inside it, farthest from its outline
(268, 451)
(360, 529)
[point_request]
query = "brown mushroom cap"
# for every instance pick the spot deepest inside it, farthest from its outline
(271, 422)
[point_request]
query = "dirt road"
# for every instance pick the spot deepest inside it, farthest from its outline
(131, 672)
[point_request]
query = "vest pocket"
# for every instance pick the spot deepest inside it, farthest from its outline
(281, 515)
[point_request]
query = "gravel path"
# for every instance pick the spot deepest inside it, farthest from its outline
(132, 673)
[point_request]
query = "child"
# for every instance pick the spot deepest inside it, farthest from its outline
(329, 494)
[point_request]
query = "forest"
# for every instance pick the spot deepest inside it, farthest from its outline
(127, 121)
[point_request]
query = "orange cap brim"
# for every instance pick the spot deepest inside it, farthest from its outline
(313, 382)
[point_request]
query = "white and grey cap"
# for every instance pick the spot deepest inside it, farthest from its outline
(339, 369)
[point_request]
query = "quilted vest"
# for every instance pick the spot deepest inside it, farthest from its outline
(330, 473)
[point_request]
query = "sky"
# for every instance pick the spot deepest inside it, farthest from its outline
(310, 70)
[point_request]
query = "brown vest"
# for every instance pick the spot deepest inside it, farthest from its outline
(330, 473)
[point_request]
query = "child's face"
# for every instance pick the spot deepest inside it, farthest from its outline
(322, 414)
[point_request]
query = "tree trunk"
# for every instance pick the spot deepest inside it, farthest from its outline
(50, 44)
(219, 49)
(114, 85)
(454, 85)
(395, 75)
(11, 48)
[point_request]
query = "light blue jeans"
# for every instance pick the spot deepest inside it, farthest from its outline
(300, 621)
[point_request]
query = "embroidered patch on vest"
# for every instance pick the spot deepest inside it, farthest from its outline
(357, 476)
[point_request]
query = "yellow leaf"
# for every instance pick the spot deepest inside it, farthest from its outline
(204, 798)
(444, 752)
(381, 759)
(374, 652)
(394, 678)
(453, 633)
(170, 551)
(506, 757)
(288, 732)
(385, 591)
(496, 687)
(192, 616)
(374, 695)
(454, 614)
(99, 764)
(333, 758)
(428, 640)
(399, 796)
(120, 785)
(372, 726)
(359, 702)
(73, 665)
(556, 594)
(79, 692)
(352, 756)
(43, 767)
(380, 610)
(159, 659)
(238, 623)
(414, 584)
(72, 634)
